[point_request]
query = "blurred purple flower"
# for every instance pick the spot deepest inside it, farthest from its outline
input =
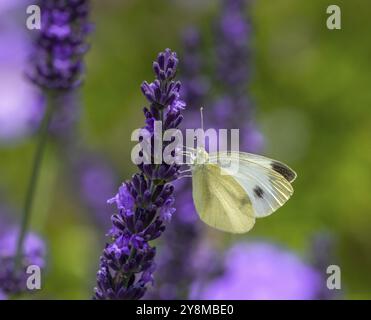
(233, 46)
(127, 263)
(63, 126)
(6, 5)
(323, 254)
(195, 84)
(94, 180)
(60, 45)
(21, 105)
(233, 108)
(261, 271)
(2, 296)
(33, 248)
(11, 281)
(14, 6)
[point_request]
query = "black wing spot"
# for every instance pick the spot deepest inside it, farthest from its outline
(288, 174)
(259, 192)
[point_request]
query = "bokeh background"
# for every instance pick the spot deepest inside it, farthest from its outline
(310, 88)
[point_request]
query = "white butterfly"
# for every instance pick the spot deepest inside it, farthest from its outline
(230, 201)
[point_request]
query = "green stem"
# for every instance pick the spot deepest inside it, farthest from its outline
(32, 185)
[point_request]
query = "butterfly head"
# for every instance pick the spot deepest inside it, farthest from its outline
(200, 156)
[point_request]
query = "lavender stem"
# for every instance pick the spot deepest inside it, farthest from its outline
(35, 173)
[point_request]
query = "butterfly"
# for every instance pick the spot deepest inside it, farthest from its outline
(231, 200)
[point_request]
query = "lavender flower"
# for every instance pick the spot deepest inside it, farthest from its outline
(56, 62)
(195, 84)
(233, 106)
(60, 44)
(232, 48)
(145, 201)
(11, 281)
(165, 69)
(2, 296)
(184, 234)
(258, 271)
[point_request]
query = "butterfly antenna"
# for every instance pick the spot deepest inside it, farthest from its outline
(202, 118)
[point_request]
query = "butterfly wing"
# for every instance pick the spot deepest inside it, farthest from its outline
(270, 164)
(220, 200)
(266, 181)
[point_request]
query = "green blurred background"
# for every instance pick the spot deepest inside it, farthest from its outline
(311, 87)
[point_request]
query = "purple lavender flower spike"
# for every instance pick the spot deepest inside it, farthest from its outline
(33, 254)
(195, 84)
(272, 273)
(144, 202)
(232, 49)
(60, 45)
(184, 233)
(167, 97)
